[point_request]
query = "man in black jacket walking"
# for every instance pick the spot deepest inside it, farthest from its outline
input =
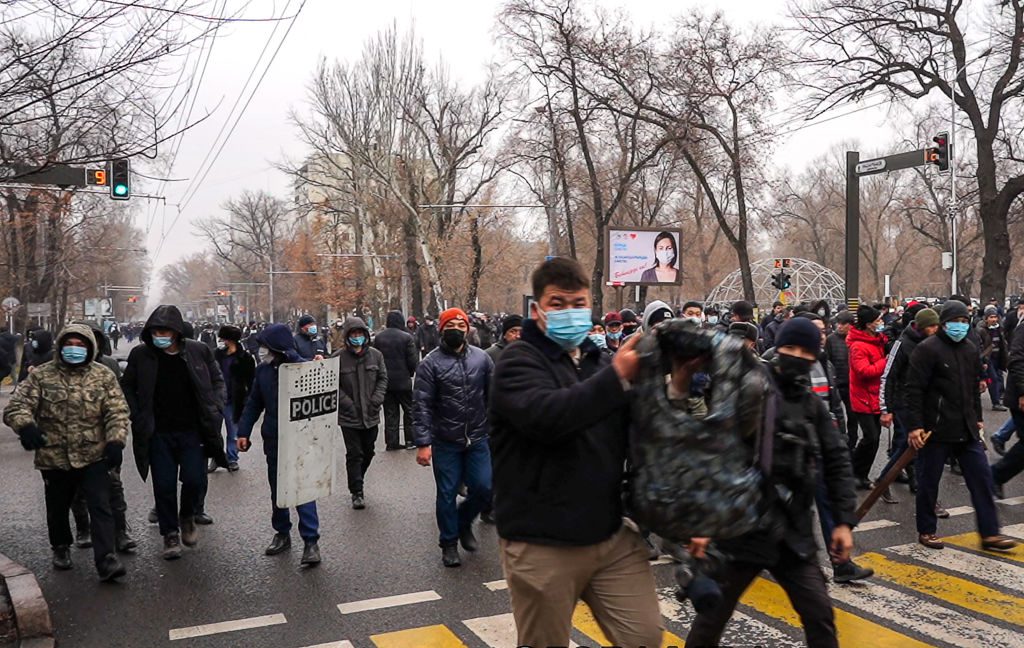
(560, 420)
(238, 370)
(838, 353)
(401, 358)
(175, 392)
(943, 398)
(1013, 462)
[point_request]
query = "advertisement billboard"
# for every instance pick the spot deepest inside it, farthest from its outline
(644, 256)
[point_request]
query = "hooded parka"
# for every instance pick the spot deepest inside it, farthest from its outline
(363, 380)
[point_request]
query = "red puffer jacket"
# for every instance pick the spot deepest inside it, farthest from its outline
(867, 363)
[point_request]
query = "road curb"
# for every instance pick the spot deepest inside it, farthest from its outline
(31, 623)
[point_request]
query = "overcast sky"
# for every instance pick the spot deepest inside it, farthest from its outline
(460, 31)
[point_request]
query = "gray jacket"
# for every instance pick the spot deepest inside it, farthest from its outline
(362, 382)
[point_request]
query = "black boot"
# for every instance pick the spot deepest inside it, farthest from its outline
(110, 569)
(152, 517)
(83, 539)
(450, 556)
(357, 501)
(62, 557)
(281, 542)
(202, 518)
(124, 542)
(310, 553)
(172, 546)
(850, 571)
(468, 539)
(189, 532)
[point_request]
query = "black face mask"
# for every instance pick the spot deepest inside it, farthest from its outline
(453, 338)
(793, 369)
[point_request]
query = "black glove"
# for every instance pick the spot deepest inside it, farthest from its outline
(32, 437)
(113, 454)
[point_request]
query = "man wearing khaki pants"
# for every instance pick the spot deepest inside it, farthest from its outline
(558, 439)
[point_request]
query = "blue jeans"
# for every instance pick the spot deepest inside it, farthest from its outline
(455, 464)
(1004, 433)
(995, 386)
(1013, 463)
(169, 454)
(232, 429)
(825, 519)
(280, 519)
(931, 459)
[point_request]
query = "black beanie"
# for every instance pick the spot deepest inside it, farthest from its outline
(306, 319)
(800, 332)
(951, 310)
(229, 332)
(510, 322)
(866, 314)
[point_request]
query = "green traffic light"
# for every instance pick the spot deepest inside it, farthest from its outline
(121, 190)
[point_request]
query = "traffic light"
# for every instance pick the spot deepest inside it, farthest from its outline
(781, 280)
(223, 293)
(939, 154)
(120, 181)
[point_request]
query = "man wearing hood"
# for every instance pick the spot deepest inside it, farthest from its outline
(401, 357)
(427, 336)
(176, 394)
(308, 341)
(238, 369)
(73, 414)
(362, 387)
(656, 313)
(277, 347)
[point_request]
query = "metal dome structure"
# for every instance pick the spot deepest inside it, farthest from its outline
(810, 281)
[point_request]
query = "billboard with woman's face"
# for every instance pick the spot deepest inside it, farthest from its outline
(645, 256)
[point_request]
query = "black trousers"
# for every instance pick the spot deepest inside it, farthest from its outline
(802, 581)
(169, 455)
(358, 455)
(393, 402)
(851, 418)
(60, 487)
(118, 506)
(867, 447)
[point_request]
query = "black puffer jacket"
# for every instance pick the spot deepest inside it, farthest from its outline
(450, 396)
(139, 385)
(243, 372)
(839, 355)
(1015, 372)
(893, 393)
(362, 381)
(400, 354)
(942, 389)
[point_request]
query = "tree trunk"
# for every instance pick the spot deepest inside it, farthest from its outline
(478, 260)
(597, 283)
(743, 256)
(412, 265)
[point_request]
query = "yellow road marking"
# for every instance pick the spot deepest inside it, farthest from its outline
(584, 621)
(435, 636)
(973, 541)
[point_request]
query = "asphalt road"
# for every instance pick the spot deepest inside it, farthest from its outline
(390, 549)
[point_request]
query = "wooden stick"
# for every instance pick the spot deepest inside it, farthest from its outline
(886, 481)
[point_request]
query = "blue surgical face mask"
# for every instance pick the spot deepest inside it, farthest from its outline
(599, 340)
(35, 344)
(957, 331)
(312, 329)
(74, 355)
(880, 327)
(357, 340)
(569, 327)
(163, 341)
(712, 319)
(614, 335)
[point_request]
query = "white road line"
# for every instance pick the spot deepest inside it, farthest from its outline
(960, 510)
(226, 626)
(1016, 530)
(388, 601)
(498, 631)
(742, 630)
(497, 586)
(333, 644)
(919, 614)
(1012, 501)
(875, 524)
(974, 566)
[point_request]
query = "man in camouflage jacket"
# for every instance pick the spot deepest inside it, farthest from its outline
(72, 413)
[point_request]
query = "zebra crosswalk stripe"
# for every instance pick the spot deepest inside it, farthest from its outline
(1003, 574)
(741, 630)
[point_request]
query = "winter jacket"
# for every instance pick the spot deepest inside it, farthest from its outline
(558, 443)
(1015, 373)
(823, 380)
(867, 363)
(37, 355)
(839, 355)
(310, 346)
(993, 343)
(771, 330)
(427, 338)
(495, 350)
(103, 353)
(450, 397)
(400, 354)
(893, 392)
(362, 383)
(139, 384)
(336, 338)
(243, 371)
(79, 409)
(942, 389)
(263, 400)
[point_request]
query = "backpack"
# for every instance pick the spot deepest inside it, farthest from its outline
(690, 477)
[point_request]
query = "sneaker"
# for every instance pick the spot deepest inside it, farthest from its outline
(998, 407)
(152, 517)
(357, 501)
(941, 513)
(850, 571)
(189, 532)
(999, 446)
(232, 466)
(62, 557)
(172, 546)
(864, 484)
(468, 539)
(450, 556)
(83, 539)
(202, 518)
(310, 553)
(888, 497)
(955, 468)
(281, 543)
(211, 467)
(110, 569)
(463, 491)
(124, 542)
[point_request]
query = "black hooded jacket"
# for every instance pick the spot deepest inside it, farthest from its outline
(39, 354)
(400, 354)
(942, 389)
(139, 384)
